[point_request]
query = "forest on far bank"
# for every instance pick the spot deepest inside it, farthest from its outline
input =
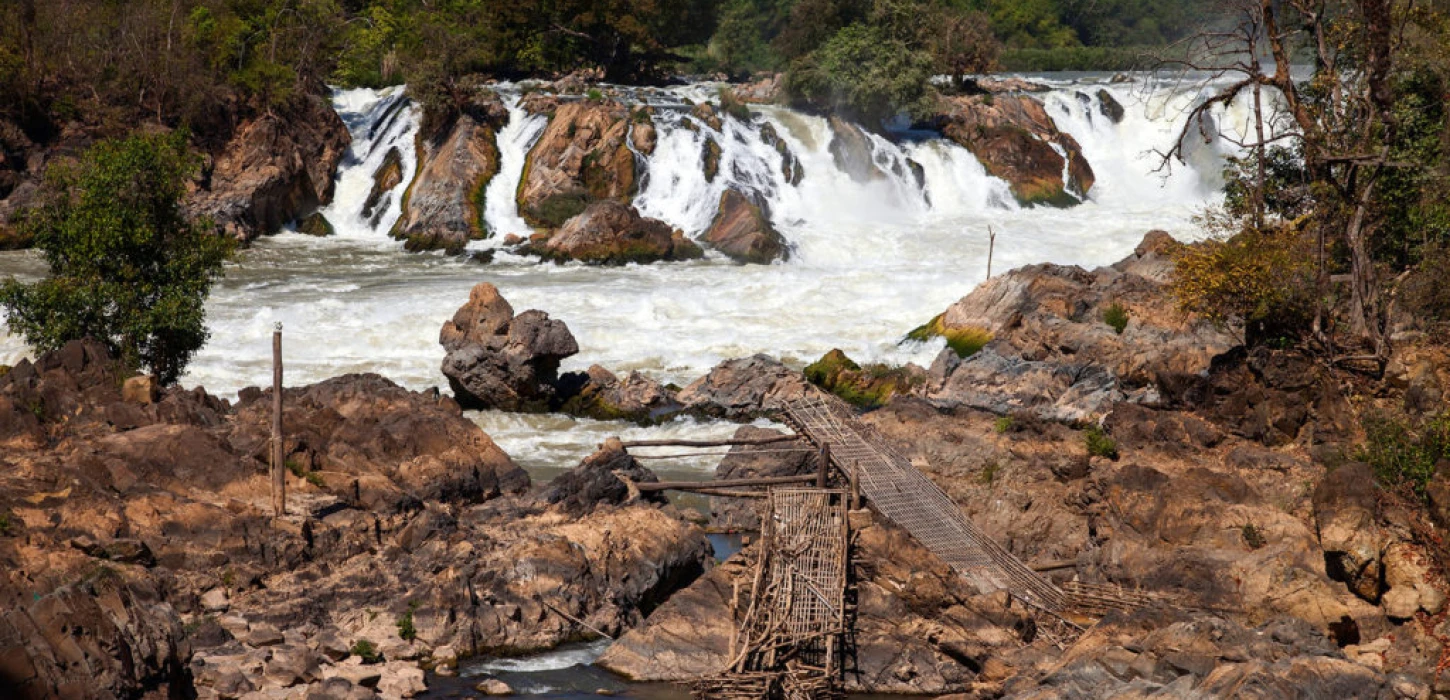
(208, 64)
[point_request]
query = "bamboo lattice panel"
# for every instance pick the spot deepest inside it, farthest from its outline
(911, 500)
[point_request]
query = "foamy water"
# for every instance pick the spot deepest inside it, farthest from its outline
(870, 261)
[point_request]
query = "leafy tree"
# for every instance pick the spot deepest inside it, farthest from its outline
(863, 73)
(127, 267)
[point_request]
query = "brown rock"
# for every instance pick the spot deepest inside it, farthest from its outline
(498, 360)
(1013, 135)
(851, 149)
(388, 175)
(581, 157)
(742, 231)
(1346, 513)
(745, 388)
(611, 233)
(443, 207)
(275, 168)
(141, 390)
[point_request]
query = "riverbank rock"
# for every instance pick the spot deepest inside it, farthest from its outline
(138, 541)
(609, 232)
(443, 207)
(604, 396)
(1017, 141)
(276, 168)
(498, 360)
(742, 231)
(752, 462)
(605, 477)
(764, 88)
(1050, 351)
(745, 388)
(582, 156)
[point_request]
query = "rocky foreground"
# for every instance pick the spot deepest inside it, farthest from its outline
(1073, 414)
(138, 555)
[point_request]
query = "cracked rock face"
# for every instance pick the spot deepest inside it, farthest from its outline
(498, 360)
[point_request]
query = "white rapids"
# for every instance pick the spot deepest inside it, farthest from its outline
(869, 261)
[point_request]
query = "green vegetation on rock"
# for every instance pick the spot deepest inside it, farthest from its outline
(867, 387)
(965, 342)
(1403, 450)
(1116, 316)
(1098, 443)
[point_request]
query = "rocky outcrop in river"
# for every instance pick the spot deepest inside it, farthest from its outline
(582, 156)
(742, 231)
(443, 206)
(276, 168)
(1016, 140)
(609, 232)
(498, 360)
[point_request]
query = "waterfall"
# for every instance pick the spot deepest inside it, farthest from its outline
(501, 207)
(380, 121)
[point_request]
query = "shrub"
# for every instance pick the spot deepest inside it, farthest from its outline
(1002, 424)
(594, 95)
(865, 387)
(1425, 293)
(1403, 451)
(863, 73)
(1252, 537)
(1099, 444)
(6, 527)
(365, 650)
(989, 472)
(406, 630)
(965, 342)
(1263, 279)
(127, 267)
(1116, 316)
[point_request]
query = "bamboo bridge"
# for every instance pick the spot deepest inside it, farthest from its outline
(794, 620)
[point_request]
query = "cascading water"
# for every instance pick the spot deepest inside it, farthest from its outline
(871, 258)
(382, 123)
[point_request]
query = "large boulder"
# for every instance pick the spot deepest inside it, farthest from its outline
(610, 232)
(1016, 140)
(745, 388)
(1050, 347)
(751, 462)
(583, 155)
(498, 360)
(604, 396)
(607, 476)
(1346, 512)
(443, 207)
(850, 148)
(352, 428)
(275, 168)
(742, 231)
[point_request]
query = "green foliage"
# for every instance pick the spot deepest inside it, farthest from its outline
(1263, 279)
(965, 342)
(1098, 443)
(366, 651)
(305, 474)
(594, 95)
(866, 387)
(127, 267)
(1285, 186)
(864, 73)
(1002, 424)
(6, 527)
(989, 472)
(1116, 315)
(406, 630)
(1403, 450)
(1252, 536)
(1425, 292)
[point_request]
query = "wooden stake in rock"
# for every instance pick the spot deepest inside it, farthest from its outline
(991, 244)
(279, 482)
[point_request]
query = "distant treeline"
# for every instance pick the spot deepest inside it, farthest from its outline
(210, 63)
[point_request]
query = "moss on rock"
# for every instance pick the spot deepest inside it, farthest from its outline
(965, 342)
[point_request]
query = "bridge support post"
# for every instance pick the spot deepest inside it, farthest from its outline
(825, 465)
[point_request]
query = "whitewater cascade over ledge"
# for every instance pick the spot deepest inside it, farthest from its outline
(869, 261)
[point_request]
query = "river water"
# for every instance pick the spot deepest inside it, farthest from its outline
(870, 261)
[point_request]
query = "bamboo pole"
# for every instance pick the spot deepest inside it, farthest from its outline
(279, 482)
(710, 443)
(991, 245)
(825, 465)
(723, 483)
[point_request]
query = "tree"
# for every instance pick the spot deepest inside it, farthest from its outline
(127, 267)
(863, 73)
(1348, 125)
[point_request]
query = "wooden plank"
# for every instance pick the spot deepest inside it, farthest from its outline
(710, 443)
(723, 483)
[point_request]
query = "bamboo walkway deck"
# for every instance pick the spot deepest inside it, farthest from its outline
(908, 498)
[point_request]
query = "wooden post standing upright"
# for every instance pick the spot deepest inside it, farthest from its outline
(825, 466)
(279, 482)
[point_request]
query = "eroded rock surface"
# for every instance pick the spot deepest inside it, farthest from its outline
(609, 232)
(443, 206)
(1016, 140)
(582, 156)
(742, 231)
(275, 168)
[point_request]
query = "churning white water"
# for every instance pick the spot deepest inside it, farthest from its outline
(870, 260)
